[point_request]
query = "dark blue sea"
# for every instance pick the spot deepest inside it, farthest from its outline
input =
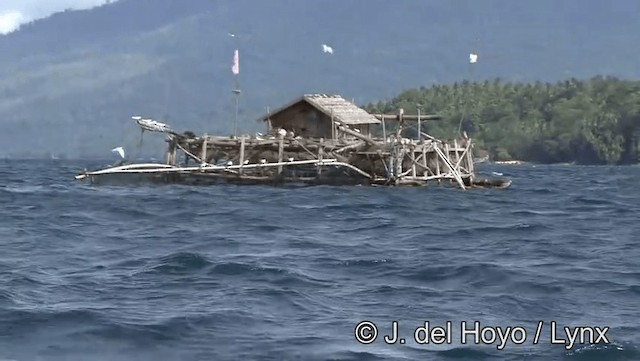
(264, 273)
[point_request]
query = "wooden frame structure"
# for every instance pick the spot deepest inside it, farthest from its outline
(342, 151)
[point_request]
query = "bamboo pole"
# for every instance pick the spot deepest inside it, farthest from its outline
(320, 155)
(357, 135)
(471, 166)
(430, 137)
(433, 177)
(125, 170)
(158, 168)
(241, 154)
(333, 127)
(384, 131)
(455, 144)
(189, 154)
(462, 157)
(351, 146)
(419, 132)
(399, 158)
(435, 147)
(413, 159)
(401, 125)
(394, 117)
(421, 165)
(203, 154)
(269, 127)
(168, 154)
(280, 154)
(455, 173)
(174, 155)
(447, 150)
(424, 157)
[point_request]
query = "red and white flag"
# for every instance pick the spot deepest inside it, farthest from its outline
(236, 63)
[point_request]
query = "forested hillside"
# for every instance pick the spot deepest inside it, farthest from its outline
(590, 122)
(69, 83)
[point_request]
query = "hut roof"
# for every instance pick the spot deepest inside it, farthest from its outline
(341, 109)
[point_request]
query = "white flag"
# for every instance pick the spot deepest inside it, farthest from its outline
(473, 58)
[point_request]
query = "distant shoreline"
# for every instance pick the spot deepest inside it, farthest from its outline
(591, 121)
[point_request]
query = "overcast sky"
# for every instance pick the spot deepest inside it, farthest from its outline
(16, 12)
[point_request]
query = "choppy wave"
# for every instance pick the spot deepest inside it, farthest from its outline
(232, 272)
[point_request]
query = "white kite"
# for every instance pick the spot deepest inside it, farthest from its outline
(120, 151)
(327, 49)
(473, 58)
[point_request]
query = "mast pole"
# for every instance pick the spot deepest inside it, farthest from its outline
(236, 70)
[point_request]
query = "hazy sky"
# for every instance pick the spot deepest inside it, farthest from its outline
(16, 12)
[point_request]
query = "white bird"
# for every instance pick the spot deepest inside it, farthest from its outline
(282, 132)
(230, 163)
(246, 161)
(327, 49)
(263, 161)
(473, 58)
(120, 151)
(290, 159)
(232, 35)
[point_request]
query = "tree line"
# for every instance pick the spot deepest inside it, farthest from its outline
(594, 121)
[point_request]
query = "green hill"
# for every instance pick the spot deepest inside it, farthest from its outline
(588, 122)
(69, 83)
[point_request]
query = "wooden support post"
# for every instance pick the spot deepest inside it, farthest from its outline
(333, 127)
(168, 156)
(280, 154)
(356, 135)
(419, 130)
(455, 144)
(413, 161)
(451, 167)
(400, 124)
(241, 154)
(384, 131)
(189, 154)
(399, 161)
(268, 120)
(320, 155)
(435, 145)
(424, 156)
(470, 165)
(203, 152)
(447, 150)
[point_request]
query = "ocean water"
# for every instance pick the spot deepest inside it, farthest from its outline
(264, 273)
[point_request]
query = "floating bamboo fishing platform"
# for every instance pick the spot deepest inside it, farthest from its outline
(316, 139)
